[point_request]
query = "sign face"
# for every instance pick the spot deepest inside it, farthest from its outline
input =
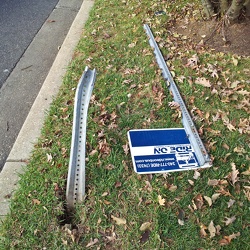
(161, 150)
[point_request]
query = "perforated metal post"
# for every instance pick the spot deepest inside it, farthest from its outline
(201, 153)
(76, 173)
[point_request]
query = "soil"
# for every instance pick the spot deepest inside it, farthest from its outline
(234, 38)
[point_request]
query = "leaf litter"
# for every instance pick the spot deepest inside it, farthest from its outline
(218, 98)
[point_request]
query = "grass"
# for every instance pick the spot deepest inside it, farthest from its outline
(130, 93)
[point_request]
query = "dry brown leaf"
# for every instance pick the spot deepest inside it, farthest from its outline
(230, 126)
(198, 200)
(208, 200)
(213, 182)
(36, 201)
(106, 202)
(161, 200)
(145, 226)
(193, 61)
(119, 221)
(215, 197)
(148, 186)
(211, 229)
(230, 203)
(118, 184)
(227, 239)
(235, 61)
(247, 172)
(181, 222)
(247, 194)
(174, 105)
(181, 216)
(229, 221)
(126, 148)
(196, 174)
(218, 228)
(224, 145)
(49, 157)
(92, 242)
(172, 188)
(223, 242)
(203, 81)
(203, 232)
(75, 235)
(234, 173)
(223, 191)
(234, 236)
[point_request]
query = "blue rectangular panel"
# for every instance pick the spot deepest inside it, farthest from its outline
(161, 150)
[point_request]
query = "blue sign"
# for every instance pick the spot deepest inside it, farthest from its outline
(161, 150)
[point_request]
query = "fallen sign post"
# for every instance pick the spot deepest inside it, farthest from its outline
(166, 150)
(76, 173)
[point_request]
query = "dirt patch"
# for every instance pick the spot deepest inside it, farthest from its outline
(212, 34)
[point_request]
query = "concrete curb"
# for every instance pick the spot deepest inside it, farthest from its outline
(31, 128)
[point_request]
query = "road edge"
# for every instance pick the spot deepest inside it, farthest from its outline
(33, 124)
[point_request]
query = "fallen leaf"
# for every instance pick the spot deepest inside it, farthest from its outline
(75, 235)
(209, 200)
(230, 203)
(106, 202)
(198, 200)
(131, 45)
(213, 182)
(148, 186)
(247, 172)
(215, 197)
(172, 188)
(118, 184)
(218, 228)
(181, 222)
(126, 148)
(203, 81)
(119, 221)
(224, 145)
(173, 105)
(191, 182)
(161, 200)
(227, 239)
(203, 233)
(49, 157)
(36, 201)
(92, 242)
(196, 174)
(193, 61)
(235, 61)
(211, 229)
(145, 226)
(181, 216)
(229, 221)
(234, 173)
(223, 242)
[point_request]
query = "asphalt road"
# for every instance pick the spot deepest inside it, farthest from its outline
(31, 32)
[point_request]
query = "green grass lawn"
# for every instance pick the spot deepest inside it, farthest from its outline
(205, 209)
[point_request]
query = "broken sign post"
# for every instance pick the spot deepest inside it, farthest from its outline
(165, 150)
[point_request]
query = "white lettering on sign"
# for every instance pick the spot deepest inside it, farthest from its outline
(172, 149)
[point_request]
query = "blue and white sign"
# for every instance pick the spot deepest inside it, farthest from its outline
(161, 150)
